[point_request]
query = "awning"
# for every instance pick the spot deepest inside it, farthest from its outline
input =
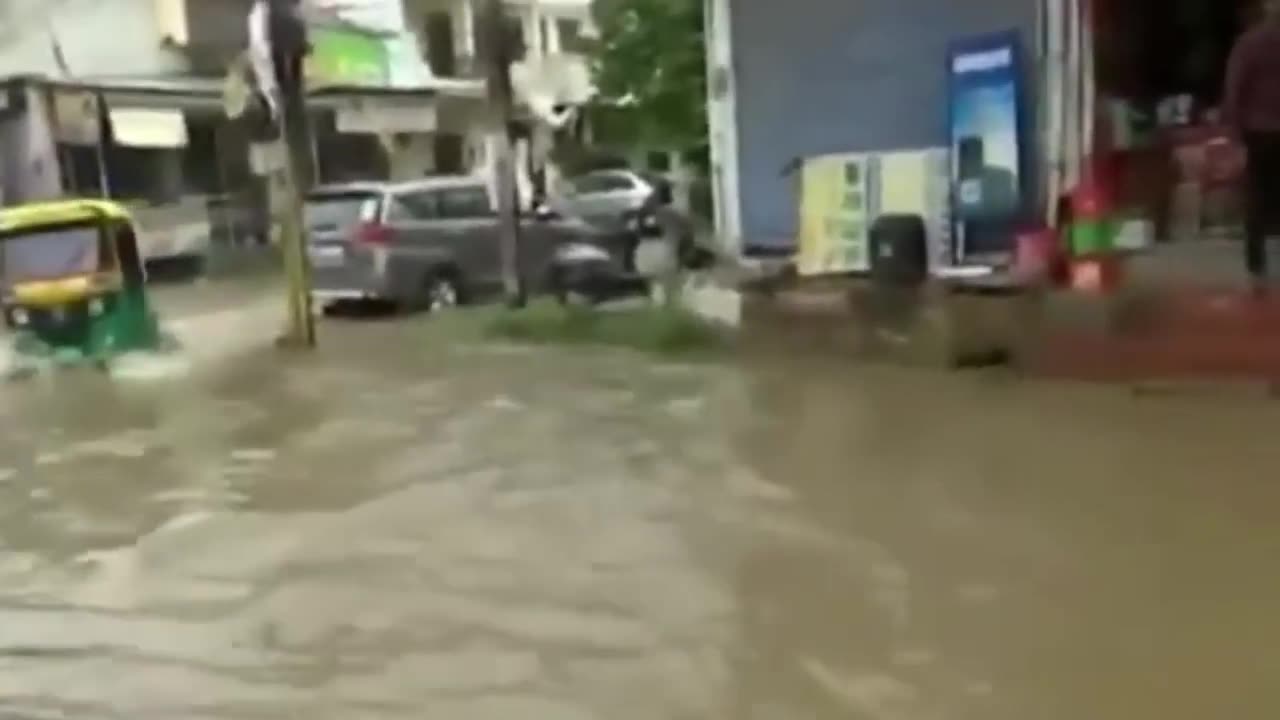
(148, 128)
(379, 115)
(188, 94)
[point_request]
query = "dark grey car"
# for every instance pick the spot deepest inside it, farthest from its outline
(430, 243)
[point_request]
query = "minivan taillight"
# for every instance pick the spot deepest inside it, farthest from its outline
(373, 234)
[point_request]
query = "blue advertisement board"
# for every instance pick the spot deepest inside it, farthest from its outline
(985, 128)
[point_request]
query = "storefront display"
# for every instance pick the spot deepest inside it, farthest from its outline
(842, 194)
(1173, 165)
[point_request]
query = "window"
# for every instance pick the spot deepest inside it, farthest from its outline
(450, 153)
(601, 183)
(338, 212)
(464, 203)
(420, 205)
(440, 51)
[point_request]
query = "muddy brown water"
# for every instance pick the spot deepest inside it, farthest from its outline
(393, 529)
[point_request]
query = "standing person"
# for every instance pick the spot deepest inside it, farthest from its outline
(1252, 108)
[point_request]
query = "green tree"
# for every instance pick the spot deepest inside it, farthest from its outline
(650, 64)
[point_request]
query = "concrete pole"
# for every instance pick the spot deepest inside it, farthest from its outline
(501, 114)
(300, 330)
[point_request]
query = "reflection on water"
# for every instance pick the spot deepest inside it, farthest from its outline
(391, 530)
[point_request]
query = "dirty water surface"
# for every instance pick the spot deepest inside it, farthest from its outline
(390, 529)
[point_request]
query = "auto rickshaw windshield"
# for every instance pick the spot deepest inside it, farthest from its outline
(51, 253)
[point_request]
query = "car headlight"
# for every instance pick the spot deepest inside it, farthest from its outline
(20, 316)
(96, 307)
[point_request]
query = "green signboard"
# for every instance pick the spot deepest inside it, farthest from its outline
(346, 57)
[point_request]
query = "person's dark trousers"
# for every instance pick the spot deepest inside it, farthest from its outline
(1263, 198)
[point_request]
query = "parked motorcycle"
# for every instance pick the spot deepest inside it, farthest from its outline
(589, 272)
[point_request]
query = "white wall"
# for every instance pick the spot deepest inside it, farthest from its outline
(98, 37)
(28, 158)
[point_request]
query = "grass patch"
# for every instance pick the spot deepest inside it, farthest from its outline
(654, 329)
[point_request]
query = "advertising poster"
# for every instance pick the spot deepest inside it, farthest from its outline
(985, 137)
(836, 206)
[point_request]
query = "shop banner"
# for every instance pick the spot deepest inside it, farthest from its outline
(985, 129)
(375, 117)
(346, 57)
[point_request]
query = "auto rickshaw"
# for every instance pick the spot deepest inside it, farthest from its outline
(72, 282)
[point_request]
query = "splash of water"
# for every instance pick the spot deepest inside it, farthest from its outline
(151, 366)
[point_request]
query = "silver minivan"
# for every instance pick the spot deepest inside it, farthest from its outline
(430, 243)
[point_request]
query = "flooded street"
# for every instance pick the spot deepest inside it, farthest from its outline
(392, 529)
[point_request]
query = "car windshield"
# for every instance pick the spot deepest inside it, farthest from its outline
(334, 212)
(49, 253)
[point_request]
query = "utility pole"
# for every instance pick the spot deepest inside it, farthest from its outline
(277, 32)
(498, 58)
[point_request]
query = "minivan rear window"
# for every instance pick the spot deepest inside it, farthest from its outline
(336, 212)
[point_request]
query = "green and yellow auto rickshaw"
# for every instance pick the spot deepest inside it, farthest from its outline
(72, 281)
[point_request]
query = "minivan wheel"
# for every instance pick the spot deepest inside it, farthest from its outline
(442, 292)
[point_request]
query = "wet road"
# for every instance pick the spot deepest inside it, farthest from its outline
(393, 529)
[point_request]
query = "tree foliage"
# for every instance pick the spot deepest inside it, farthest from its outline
(650, 59)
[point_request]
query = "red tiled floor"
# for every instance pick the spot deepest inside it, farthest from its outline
(1190, 333)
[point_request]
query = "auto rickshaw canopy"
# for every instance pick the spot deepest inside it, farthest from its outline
(60, 212)
(61, 250)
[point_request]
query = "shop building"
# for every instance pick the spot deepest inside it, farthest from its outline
(1117, 102)
(88, 114)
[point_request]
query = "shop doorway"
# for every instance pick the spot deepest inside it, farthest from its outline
(1158, 75)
